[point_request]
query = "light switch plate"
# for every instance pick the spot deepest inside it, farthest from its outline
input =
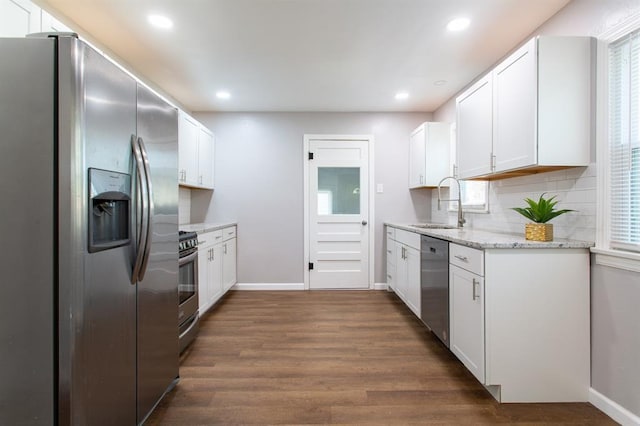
(379, 188)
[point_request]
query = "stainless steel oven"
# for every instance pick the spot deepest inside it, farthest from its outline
(188, 288)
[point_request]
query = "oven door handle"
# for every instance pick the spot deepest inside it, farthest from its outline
(188, 259)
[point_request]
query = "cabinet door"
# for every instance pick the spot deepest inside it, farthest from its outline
(52, 25)
(466, 313)
(438, 148)
(215, 279)
(474, 127)
(18, 18)
(229, 264)
(205, 158)
(413, 279)
(204, 294)
(401, 271)
(514, 110)
(188, 130)
(417, 157)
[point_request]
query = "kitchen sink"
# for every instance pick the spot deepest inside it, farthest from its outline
(434, 226)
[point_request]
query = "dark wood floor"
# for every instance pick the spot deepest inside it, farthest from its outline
(342, 357)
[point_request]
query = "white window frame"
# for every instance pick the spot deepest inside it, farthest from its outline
(604, 254)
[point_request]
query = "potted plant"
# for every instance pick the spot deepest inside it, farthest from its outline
(540, 212)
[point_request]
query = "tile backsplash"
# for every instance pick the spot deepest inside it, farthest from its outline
(184, 206)
(575, 189)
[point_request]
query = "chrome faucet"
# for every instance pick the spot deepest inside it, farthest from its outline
(461, 220)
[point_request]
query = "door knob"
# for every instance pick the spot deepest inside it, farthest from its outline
(364, 222)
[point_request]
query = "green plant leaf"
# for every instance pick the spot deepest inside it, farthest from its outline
(541, 211)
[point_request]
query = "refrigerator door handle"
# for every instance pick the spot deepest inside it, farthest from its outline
(150, 210)
(142, 188)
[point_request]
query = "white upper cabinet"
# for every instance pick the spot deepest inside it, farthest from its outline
(195, 153)
(474, 129)
(532, 113)
(514, 110)
(19, 18)
(205, 158)
(429, 154)
(52, 25)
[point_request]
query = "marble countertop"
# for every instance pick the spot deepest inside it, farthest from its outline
(205, 227)
(482, 239)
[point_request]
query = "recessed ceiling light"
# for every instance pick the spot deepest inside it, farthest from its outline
(402, 96)
(458, 24)
(440, 82)
(160, 21)
(223, 94)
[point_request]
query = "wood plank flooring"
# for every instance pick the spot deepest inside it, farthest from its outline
(334, 357)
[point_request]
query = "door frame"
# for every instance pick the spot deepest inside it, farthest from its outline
(305, 160)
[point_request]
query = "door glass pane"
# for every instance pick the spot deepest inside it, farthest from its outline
(338, 190)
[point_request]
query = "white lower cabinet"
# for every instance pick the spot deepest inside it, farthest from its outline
(519, 321)
(466, 326)
(229, 259)
(216, 266)
(403, 256)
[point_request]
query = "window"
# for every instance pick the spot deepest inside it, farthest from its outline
(475, 193)
(624, 142)
(474, 196)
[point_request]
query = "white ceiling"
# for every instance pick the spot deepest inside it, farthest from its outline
(308, 55)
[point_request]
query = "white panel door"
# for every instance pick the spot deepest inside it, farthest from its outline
(475, 132)
(205, 158)
(514, 110)
(18, 18)
(417, 155)
(188, 133)
(466, 313)
(339, 214)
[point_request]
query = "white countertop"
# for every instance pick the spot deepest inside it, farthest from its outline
(205, 227)
(482, 239)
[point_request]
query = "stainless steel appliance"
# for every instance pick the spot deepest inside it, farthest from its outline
(88, 301)
(188, 288)
(434, 286)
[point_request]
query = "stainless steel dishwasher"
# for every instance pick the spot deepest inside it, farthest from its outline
(434, 286)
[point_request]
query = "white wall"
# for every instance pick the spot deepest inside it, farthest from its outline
(615, 322)
(259, 176)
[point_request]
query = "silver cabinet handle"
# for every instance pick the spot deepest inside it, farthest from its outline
(389, 276)
(200, 179)
(389, 251)
(364, 222)
(225, 249)
(463, 258)
(473, 285)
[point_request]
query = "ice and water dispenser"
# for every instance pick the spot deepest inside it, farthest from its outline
(109, 209)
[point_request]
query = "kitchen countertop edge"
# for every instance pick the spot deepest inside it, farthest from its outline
(201, 228)
(484, 239)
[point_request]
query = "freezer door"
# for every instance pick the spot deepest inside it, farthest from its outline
(97, 299)
(158, 349)
(27, 313)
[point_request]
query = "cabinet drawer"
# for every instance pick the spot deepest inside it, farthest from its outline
(391, 251)
(407, 238)
(391, 232)
(229, 233)
(209, 238)
(467, 258)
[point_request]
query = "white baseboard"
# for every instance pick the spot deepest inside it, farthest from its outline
(268, 286)
(380, 286)
(613, 409)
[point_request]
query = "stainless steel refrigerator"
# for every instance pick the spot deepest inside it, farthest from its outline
(89, 220)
